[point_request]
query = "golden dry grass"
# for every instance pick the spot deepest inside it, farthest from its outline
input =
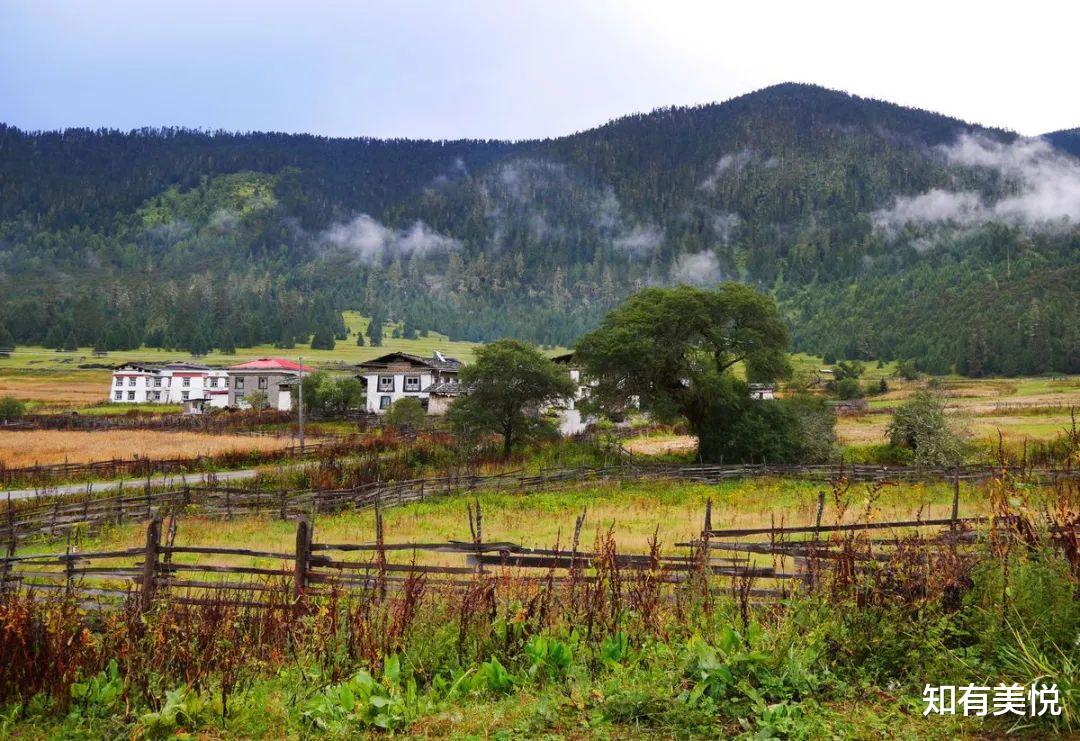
(32, 447)
(661, 445)
(870, 429)
(53, 390)
(673, 511)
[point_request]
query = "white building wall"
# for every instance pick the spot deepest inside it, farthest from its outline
(166, 386)
(376, 395)
(132, 388)
(216, 388)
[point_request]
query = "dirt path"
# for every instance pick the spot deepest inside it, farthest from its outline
(102, 486)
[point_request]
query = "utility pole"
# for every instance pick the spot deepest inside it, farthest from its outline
(300, 407)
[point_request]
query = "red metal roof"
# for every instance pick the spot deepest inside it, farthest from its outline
(272, 364)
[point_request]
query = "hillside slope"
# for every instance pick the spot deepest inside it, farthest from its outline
(192, 239)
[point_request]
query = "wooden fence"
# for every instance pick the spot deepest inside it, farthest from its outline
(143, 468)
(57, 515)
(778, 564)
(192, 574)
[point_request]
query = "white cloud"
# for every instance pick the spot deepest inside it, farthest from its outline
(735, 161)
(725, 224)
(371, 241)
(641, 240)
(224, 221)
(936, 205)
(697, 269)
(1046, 187)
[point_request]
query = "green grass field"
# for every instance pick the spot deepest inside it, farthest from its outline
(345, 353)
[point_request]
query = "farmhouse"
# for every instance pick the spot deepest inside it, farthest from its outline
(171, 383)
(198, 387)
(762, 391)
(273, 377)
(570, 419)
(400, 375)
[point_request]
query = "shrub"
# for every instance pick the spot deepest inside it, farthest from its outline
(11, 409)
(849, 388)
(906, 369)
(920, 425)
(257, 399)
(406, 413)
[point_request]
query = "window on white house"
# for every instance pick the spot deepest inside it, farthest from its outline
(157, 382)
(239, 382)
(119, 381)
(184, 395)
(384, 402)
(131, 396)
(131, 381)
(186, 382)
(118, 395)
(262, 382)
(213, 383)
(412, 383)
(386, 383)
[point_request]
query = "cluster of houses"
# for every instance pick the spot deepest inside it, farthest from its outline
(199, 387)
(432, 381)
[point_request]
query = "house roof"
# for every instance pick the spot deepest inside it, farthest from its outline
(437, 361)
(186, 366)
(280, 364)
(149, 367)
(567, 358)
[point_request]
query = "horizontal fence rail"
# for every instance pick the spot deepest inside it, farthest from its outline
(789, 560)
(215, 422)
(148, 467)
(54, 516)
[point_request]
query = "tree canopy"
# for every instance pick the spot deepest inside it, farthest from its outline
(506, 389)
(674, 351)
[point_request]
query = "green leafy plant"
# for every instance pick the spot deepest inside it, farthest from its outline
(615, 649)
(549, 657)
(492, 677)
(98, 695)
(183, 709)
(361, 700)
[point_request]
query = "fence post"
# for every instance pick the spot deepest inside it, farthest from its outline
(303, 554)
(7, 563)
(69, 566)
(150, 557)
(956, 497)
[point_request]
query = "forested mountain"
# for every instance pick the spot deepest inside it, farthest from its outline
(884, 231)
(1067, 140)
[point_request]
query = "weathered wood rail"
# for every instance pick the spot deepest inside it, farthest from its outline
(161, 571)
(54, 516)
(139, 468)
(788, 559)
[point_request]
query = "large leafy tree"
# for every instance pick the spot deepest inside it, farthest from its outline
(506, 388)
(674, 352)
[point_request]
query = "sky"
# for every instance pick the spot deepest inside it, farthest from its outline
(515, 69)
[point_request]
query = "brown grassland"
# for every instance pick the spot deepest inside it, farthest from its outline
(41, 447)
(57, 389)
(635, 512)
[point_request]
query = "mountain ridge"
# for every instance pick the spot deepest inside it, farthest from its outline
(803, 191)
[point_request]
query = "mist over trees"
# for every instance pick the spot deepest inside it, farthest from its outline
(194, 240)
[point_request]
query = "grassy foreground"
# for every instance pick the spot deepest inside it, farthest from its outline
(618, 657)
